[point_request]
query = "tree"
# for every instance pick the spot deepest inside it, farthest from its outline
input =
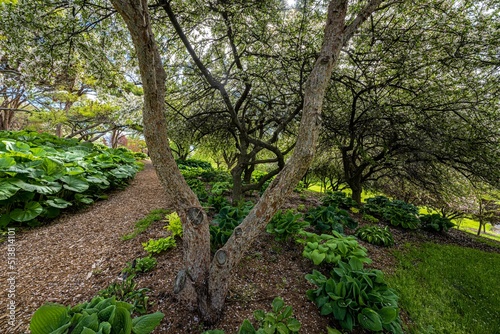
(204, 282)
(414, 95)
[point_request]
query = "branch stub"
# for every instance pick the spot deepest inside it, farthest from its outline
(195, 216)
(221, 257)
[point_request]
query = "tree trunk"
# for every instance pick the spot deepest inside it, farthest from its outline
(203, 284)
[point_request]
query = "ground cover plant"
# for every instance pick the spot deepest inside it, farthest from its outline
(144, 223)
(327, 218)
(41, 174)
(99, 316)
(448, 289)
(396, 212)
(284, 225)
(375, 235)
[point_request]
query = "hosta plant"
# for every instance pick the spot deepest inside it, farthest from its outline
(99, 316)
(327, 218)
(285, 225)
(355, 296)
(376, 235)
(435, 223)
(41, 175)
(279, 321)
(397, 213)
(155, 246)
(174, 225)
(339, 199)
(140, 265)
(127, 291)
(226, 221)
(334, 248)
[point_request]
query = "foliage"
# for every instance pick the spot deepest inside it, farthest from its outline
(127, 291)
(153, 246)
(339, 199)
(396, 212)
(285, 225)
(334, 248)
(376, 235)
(435, 223)
(326, 218)
(353, 295)
(226, 221)
(144, 223)
(216, 203)
(279, 321)
(193, 163)
(40, 175)
(174, 224)
(370, 218)
(99, 316)
(140, 265)
(460, 283)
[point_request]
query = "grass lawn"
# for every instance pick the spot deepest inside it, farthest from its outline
(448, 289)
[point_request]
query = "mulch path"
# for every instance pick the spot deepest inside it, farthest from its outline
(77, 255)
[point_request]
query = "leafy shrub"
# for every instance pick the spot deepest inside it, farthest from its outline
(339, 199)
(376, 235)
(353, 295)
(41, 174)
(397, 213)
(217, 202)
(435, 223)
(100, 315)
(174, 224)
(127, 291)
(144, 223)
(220, 188)
(193, 163)
(334, 248)
(370, 218)
(226, 221)
(153, 246)
(140, 265)
(326, 218)
(279, 321)
(285, 225)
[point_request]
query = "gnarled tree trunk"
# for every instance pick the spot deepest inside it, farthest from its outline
(201, 283)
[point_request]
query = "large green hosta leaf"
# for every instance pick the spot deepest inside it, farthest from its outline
(58, 203)
(16, 146)
(53, 169)
(6, 162)
(50, 318)
(47, 188)
(8, 188)
(146, 323)
(75, 183)
(31, 211)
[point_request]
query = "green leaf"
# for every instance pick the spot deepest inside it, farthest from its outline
(388, 314)
(53, 169)
(58, 203)
(89, 321)
(45, 189)
(7, 189)
(7, 162)
(246, 328)
(75, 183)
(259, 315)
(333, 331)
(370, 319)
(122, 323)
(294, 325)
(88, 331)
(147, 323)
(31, 211)
(317, 257)
(278, 304)
(50, 318)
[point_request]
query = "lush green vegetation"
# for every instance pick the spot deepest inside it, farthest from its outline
(376, 235)
(143, 224)
(448, 289)
(41, 174)
(99, 316)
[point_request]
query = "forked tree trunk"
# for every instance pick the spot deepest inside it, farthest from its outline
(201, 283)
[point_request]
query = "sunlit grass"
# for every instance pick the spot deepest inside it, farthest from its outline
(448, 289)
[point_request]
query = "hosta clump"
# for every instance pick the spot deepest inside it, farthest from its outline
(226, 221)
(285, 225)
(99, 316)
(355, 296)
(40, 175)
(397, 213)
(279, 321)
(334, 248)
(127, 291)
(339, 199)
(140, 265)
(326, 218)
(376, 235)
(435, 223)
(153, 246)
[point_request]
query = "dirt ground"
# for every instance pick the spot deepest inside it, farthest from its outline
(73, 258)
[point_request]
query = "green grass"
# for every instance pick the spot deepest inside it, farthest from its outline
(448, 289)
(144, 223)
